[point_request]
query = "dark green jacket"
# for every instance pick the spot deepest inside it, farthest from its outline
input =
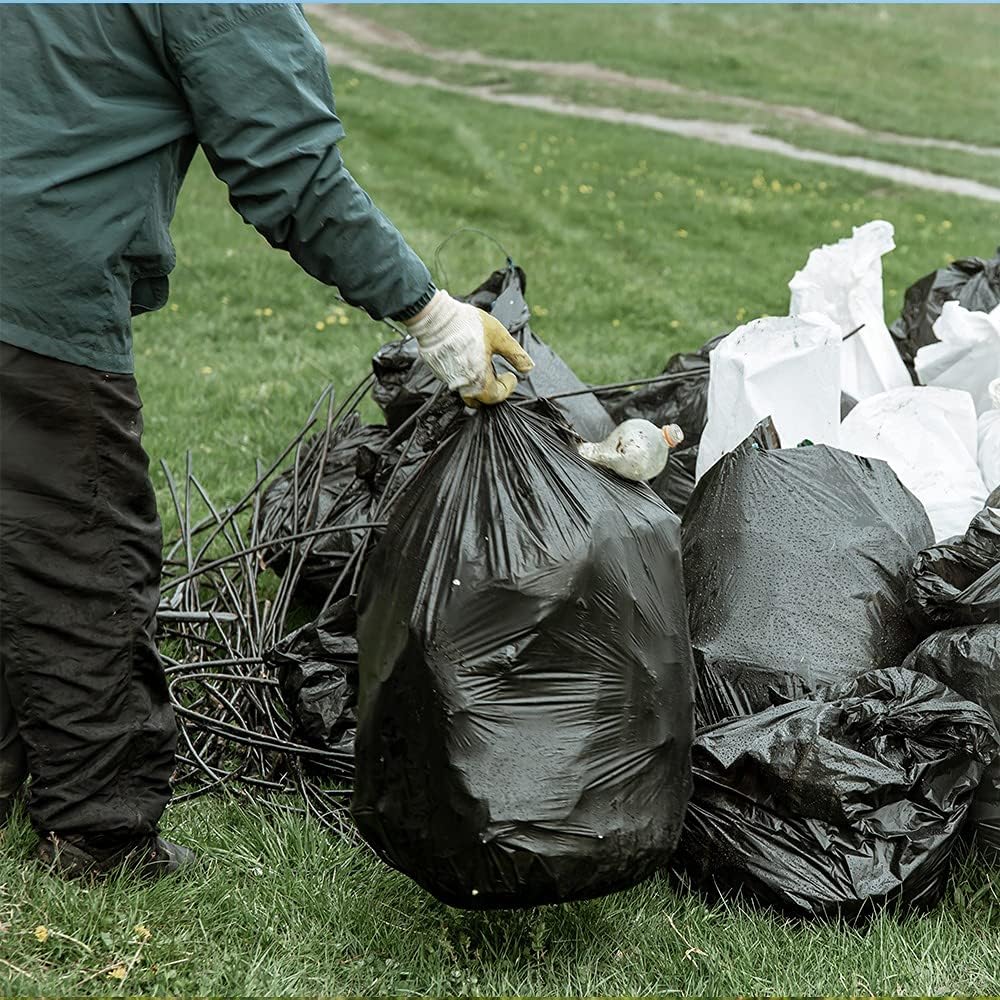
(101, 110)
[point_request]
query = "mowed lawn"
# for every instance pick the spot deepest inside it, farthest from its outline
(635, 245)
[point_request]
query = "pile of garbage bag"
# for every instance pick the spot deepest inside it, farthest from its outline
(539, 643)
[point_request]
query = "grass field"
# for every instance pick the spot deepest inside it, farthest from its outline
(635, 244)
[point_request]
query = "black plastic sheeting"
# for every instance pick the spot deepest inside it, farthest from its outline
(317, 671)
(796, 563)
(683, 402)
(967, 660)
(404, 382)
(974, 282)
(525, 712)
(836, 807)
(958, 581)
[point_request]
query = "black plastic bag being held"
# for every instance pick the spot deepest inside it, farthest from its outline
(403, 382)
(958, 582)
(525, 710)
(967, 660)
(835, 807)
(796, 563)
(974, 282)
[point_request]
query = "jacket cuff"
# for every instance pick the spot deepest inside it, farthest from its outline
(410, 311)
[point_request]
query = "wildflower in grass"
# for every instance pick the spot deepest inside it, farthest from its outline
(945, 225)
(776, 185)
(174, 307)
(681, 234)
(330, 320)
(268, 311)
(797, 186)
(585, 189)
(353, 82)
(42, 933)
(616, 323)
(699, 193)
(674, 323)
(835, 224)
(344, 320)
(920, 217)
(225, 300)
(541, 311)
(657, 196)
(741, 314)
(949, 258)
(758, 181)
(119, 972)
(320, 325)
(142, 932)
(822, 185)
(537, 168)
(205, 370)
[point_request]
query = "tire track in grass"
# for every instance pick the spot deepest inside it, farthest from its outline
(735, 134)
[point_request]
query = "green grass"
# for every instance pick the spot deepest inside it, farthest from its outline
(929, 70)
(279, 906)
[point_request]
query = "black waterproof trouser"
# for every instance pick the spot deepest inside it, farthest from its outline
(85, 699)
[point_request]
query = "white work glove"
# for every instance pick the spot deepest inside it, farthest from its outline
(458, 342)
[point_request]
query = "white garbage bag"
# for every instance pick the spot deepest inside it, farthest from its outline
(786, 368)
(929, 438)
(968, 355)
(843, 281)
(989, 439)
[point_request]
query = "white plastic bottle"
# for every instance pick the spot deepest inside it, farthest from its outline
(635, 449)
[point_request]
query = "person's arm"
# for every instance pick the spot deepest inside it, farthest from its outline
(258, 87)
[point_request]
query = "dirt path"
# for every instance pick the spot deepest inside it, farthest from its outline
(721, 133)
(353, 26)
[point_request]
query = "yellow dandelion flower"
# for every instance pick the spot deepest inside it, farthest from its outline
(320, 325)
(835, 224)
(268, 311)
(797, 186)
(344, 320)
(353, 82)
(205, 370)
(225, 300)
(174, 307)
(616, 323)
(775, 185)
(741, 314)
(657, 196)
(537, 168)
(585, 189)
(699, 193)
(681, 234)
(541, 311)
(822, 185)
(920, 217)
(42, 933)
(119, 972)
(758, 181)
(330, 320)
(674, 323)
(611, 195)
(142, 932)
(946, 224)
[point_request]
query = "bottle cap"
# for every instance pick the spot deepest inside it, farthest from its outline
(672, 434)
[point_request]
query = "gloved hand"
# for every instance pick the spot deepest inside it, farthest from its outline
(458, 342)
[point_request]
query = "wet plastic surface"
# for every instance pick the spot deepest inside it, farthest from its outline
(840, 806)
(967, 660)
(796, 562)
(526, 707)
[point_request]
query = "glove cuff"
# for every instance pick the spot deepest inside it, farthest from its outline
(442, 319)
(410, 311)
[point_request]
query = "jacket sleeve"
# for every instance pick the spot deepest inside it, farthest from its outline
(258, 86)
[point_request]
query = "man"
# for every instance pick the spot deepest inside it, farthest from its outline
(103, 107)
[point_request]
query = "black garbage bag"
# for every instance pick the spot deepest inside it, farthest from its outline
(683, 401)
(343, 498)
(796, 563)
(974, 282)
(834, 807)
(403, 382)
(958, 582)
(967, 660)
(525, 710)
(317, 670)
